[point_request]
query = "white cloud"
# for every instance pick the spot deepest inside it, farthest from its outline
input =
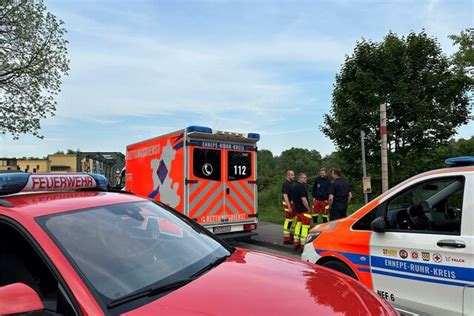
(124, 73)
(125, 64)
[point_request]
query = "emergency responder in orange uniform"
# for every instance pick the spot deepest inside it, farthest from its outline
(290, 216)
(339, 195)
(303, 211)
(320, 196)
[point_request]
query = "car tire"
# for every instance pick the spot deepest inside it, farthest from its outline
(340, 267)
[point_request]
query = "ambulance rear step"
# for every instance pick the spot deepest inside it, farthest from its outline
(237, 236)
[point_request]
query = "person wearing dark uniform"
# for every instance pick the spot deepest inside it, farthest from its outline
(303, 211)
(290, 216)
(339, 195)
(320, 196)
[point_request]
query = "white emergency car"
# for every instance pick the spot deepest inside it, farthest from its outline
(413, 245)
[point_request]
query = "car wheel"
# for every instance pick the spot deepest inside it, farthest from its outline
(340, 267)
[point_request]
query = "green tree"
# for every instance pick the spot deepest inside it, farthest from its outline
(271, 172)
(33, 57)
(464, 57)
(299, 160)
(266, 169)
(454, 148)
(426, 100)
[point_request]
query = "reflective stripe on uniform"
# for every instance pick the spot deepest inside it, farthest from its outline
(286, 227)
(296, 236)
(304, 233)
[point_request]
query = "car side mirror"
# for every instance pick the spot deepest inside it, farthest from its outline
(378, 225)
(19, 298)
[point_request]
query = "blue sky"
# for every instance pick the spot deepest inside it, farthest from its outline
(142, 68)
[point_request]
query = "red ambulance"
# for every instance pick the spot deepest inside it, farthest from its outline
(208, 175)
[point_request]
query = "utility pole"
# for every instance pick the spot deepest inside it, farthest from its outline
(364, 171)
(383, 135)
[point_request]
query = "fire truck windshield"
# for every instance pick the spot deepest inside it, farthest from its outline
(124, 248)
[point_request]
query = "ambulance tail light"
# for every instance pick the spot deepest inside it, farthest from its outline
(311, 237)
(199, 129)
(249, 227)
(11, 183)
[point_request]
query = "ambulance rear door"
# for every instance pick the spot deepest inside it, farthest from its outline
(205, 185)
(241, 185)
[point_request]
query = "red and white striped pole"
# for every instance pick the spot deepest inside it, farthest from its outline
(383, 135)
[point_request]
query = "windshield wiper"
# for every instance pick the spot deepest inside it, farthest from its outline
(149, 292)
(164, 288)
(210, 266)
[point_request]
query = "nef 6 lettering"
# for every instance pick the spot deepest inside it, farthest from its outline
(386, 295)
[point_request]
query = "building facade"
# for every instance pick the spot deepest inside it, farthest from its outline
(108, 164)
(8, 164)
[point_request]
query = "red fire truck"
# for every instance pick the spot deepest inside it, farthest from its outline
(210, 176)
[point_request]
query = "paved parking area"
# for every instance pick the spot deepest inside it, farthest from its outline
(269, 239)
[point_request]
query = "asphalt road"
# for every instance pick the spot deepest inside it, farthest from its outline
(290, 253)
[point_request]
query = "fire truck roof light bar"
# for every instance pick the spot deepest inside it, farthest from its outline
(460, 161)
(16, 182)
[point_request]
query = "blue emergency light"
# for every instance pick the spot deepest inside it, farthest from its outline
(12, 182)
(200, 129)
(460, 161)
(253, 136)
(16, 182)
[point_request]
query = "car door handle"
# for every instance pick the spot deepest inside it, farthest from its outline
(227, 190)
(451, 243)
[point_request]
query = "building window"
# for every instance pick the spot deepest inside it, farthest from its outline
(60, 168)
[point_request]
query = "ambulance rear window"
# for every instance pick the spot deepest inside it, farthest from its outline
(239, 165)
(207, 164)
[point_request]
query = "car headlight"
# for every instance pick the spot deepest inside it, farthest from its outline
(311, 237)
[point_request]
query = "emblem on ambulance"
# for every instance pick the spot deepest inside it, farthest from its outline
(162, 182)
(389, 252)
(207, 169)
(414, 255)
(437, 258)
(425, 256)
(403, 254)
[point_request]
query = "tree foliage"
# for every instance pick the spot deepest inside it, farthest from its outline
(272, 169)
(464, 57)
(33, 57)
(272, 172)
(426, 100)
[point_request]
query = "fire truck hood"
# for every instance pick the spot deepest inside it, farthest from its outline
(253, 283)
